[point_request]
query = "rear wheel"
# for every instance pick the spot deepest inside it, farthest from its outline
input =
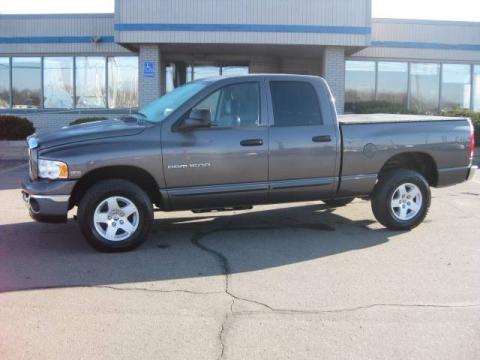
(115, 215)
(338, 202)
(401, 199)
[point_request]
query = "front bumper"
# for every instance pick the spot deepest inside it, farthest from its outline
(47, 200)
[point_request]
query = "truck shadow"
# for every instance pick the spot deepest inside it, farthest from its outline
(38, 256)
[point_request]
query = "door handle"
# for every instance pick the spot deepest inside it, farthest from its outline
(252, 142)
(322, 138)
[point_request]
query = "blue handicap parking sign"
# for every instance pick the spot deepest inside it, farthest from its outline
(149, 69)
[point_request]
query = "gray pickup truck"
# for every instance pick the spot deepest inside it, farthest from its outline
(231, 143)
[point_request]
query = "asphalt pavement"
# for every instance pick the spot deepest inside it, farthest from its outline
(294, 281)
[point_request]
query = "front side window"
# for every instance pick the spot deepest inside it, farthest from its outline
(295, 103)
(58, 82)
(26, 82)
(456, 86)
(122, 82)
(4, 83)
(234, 106)
(90, 75)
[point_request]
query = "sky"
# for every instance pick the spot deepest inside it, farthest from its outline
(459, 10)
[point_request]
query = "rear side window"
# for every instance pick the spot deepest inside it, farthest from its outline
(295, 103)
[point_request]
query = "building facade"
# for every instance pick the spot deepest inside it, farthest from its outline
(57, 68)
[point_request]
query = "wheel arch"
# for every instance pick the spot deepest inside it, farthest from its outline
(136, 175)
(420, 162)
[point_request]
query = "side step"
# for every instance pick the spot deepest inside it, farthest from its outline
(232, 208)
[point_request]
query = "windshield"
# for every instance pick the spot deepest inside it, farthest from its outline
(159, 109)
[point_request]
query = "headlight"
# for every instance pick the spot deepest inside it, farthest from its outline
(49, 169)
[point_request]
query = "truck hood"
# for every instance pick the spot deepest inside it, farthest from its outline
(126, 126)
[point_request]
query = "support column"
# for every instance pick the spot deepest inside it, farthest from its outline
(334, 74)
(151, 75)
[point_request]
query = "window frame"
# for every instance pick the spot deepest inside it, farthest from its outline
(272, 107)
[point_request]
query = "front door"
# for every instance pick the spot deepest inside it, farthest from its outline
(225, 164)
(303, 143)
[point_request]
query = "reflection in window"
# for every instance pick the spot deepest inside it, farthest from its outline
(90, 82)
(393, 82)
(234, 106)
(58, 82)
(359, 83)
(122, 82)
(26, 82)
(4, 83)
(424, 87)
(455, 86)
(476, 88)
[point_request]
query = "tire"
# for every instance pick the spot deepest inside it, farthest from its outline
(401, 199)
(338, 202)
(115, 216)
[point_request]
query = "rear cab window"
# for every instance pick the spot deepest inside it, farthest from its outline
(295, 103)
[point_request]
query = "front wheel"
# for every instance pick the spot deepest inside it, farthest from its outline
(115, 215)
(401, 199)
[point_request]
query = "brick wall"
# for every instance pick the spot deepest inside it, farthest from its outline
(150, 87)
(334, 73)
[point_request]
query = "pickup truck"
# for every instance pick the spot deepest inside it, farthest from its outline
(231, 143)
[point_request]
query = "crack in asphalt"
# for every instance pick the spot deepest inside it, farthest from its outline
(227, 271)
(356, 308)
(111, 287)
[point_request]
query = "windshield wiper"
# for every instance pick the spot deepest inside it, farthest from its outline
(141, 114)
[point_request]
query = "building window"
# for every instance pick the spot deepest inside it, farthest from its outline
(122, 82)
(203, 71)
(424, 87)
(58, 82)
(456, 86)
(26, 82)
(392, 83)
(90, 82)
(4, 83)
(359, 83)
(476, 88)
(295, 103)
(234, 70)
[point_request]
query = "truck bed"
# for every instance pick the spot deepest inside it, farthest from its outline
(391, 118)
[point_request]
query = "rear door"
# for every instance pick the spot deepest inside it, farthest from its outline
(226, 164)
(303, 142)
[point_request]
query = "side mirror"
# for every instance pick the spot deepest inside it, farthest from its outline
(198, 118)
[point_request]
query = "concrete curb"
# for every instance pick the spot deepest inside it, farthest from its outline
(13, 150)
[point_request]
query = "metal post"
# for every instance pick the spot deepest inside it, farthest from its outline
(106, 82)
(472, 86)
(440, 90)
(42, 81)
(408, 86)
(74, 64)
(376, 81)
(10, 72)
